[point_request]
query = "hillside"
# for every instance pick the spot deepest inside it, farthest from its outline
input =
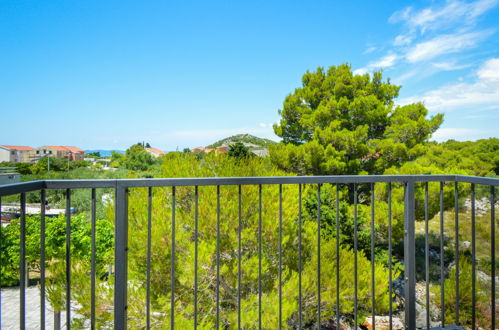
(248, 140)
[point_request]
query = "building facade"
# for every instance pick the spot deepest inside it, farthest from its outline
(73, 153)
(16, 154)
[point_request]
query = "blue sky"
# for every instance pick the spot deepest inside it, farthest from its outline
(106, 74)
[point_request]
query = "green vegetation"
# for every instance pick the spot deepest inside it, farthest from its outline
(482, 308)
(341, 123)
(42, 166)
(482, 237)
(239, 150)
(188, 165)
(55, 256)
(22, 168)
(136, 158)
(246, 139)
(336, 123)
(95, 154)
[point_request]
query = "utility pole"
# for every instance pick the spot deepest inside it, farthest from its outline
(69, 154)
(48, 163)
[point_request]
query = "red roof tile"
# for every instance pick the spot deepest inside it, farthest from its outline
(66, 148)
(60, 148)
(156, 151)
(74, 149)
(20, 148)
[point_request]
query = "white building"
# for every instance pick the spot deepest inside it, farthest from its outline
(16, 154)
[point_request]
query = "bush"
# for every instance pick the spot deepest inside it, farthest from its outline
(22, 168)
(54, 244)
(137, 158)
(188, 165)
(239, 150)
(465, 296)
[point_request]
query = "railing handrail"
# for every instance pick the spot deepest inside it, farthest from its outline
(121, 235)
(16, 188)
(8, 170)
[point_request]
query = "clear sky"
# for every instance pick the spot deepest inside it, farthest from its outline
(107, 74)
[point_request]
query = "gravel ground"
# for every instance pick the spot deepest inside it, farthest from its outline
(10, 310)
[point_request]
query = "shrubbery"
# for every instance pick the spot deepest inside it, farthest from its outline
(482, 308)
(185, 165)
(55, 234)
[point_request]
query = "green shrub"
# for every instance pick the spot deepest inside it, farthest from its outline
(55, 246)
(185, 165)
(465, 296)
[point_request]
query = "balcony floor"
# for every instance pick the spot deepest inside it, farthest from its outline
(10, 309)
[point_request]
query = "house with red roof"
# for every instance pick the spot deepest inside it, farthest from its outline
(73, 153)
(16, 154)
(155, 152)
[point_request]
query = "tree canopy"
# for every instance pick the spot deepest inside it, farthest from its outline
(137, 158)
(239, 150)
(342, 123)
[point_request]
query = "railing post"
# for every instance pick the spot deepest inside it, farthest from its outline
(409, 257)
(120, 257)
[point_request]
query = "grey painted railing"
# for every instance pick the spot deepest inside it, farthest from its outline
(122, 187)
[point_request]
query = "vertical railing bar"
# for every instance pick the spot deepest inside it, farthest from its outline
(319, 256)
(373, 309)
(68, 258)
(410, 256)
(42, 258)
(260, 256)
(299, 257)
(390, 284)
(427, 256)
(239, 257)
(337, 257)
(442, 280)
(92, 258)
(22, 264)
(456, 238)
(355, 248)
(280, 256)
(493, 254)
(172, 270)
(148, 260)
(196, 239)
(218, 260)
(120, 257)
(473, 259)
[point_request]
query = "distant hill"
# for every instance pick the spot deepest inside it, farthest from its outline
(248, 140)
(104, 153)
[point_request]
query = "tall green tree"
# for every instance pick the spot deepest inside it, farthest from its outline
(342, 123)
(137, 158)
(239, 150)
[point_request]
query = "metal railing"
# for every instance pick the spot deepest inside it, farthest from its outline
(9, 175)
(122, 187)
(8, 170)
